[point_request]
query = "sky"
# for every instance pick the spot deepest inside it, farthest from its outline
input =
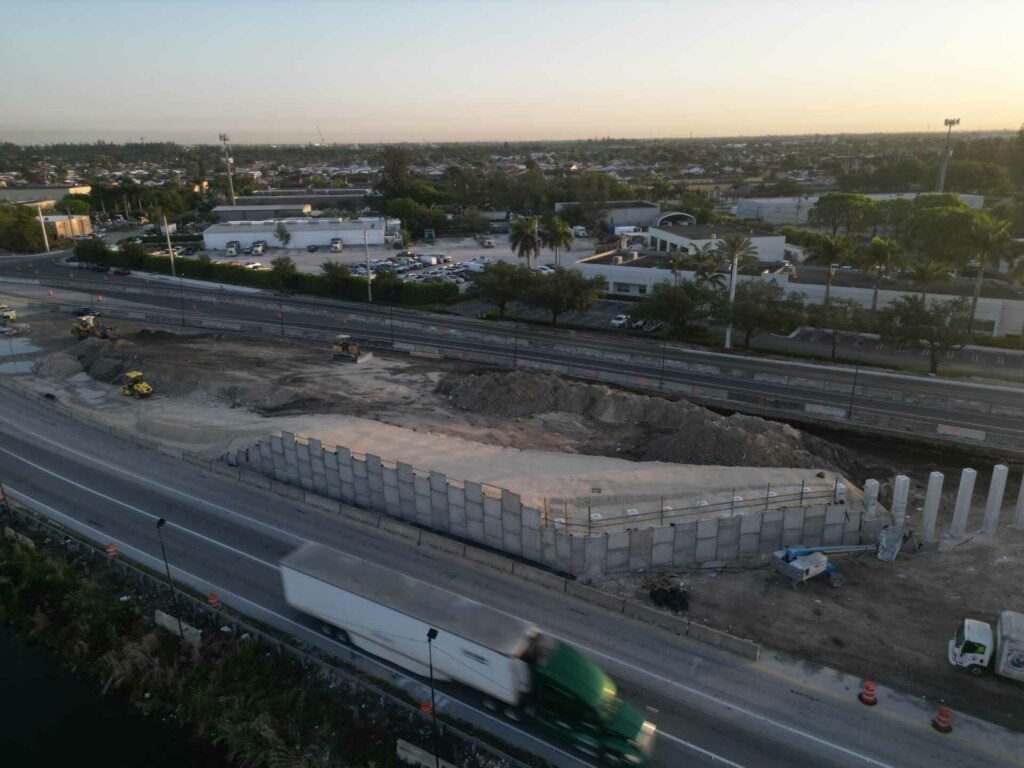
(483, 70)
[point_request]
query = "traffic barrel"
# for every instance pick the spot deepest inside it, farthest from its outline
(942, 722)
(111, 549)
(425, 707)
(867, 696)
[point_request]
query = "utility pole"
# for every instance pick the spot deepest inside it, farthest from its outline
(431, 637)
(949, 122)
(732, 297)
(170, 583)
(227, 161)
(369, 274)
(42, 226)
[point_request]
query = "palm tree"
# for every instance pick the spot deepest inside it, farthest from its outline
(924, 273)
(523, 238)
(705, 258)
(675, 264)
(990, 239)
(733, 248)
(830, 250)
(882, 256)
(713, 280)
(555, 234)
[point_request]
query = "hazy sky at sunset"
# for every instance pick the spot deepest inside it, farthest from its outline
(410, 71)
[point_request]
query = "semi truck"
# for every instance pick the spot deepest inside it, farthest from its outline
(511, 662)
(976, 647)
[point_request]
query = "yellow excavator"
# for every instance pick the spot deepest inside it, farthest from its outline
(135, 385)
(10, 317)
(344, 348)
(88, 325)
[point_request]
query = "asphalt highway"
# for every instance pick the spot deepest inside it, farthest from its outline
(838, 395)
(712, 709)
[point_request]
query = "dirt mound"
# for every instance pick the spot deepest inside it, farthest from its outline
(59, 365)
(669, 430)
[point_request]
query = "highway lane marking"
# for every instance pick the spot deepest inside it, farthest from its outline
(138, 510)
(716, 757)
(103, 536)
(147, 481)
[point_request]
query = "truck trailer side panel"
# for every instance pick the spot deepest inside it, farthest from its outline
(377, 623)
(1009, 659)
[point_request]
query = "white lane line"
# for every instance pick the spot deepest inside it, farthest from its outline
(137, 510)
(231, 597)
(721, 702)
(689, 745)
(142, 479)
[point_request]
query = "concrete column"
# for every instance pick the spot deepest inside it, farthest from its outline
(963, 504)
(931, 505)
(900, 492)
(1018, 514)
(870, 498)
(996, 490)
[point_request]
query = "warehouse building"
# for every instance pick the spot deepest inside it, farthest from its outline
(793, 210)
(693, 237)
(304, 232)
(260, 212)
(64, 227)
(348, 198)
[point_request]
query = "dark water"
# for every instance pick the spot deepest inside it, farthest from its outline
(50, 716)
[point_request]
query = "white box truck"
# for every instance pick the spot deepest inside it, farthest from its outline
(976, 647)
(389, 615)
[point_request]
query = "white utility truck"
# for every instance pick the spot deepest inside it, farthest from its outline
(977, 647)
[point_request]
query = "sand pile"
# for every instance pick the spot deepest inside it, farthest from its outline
(671, 430)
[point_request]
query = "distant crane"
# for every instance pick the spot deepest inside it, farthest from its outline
(321, 133)
(224, 138)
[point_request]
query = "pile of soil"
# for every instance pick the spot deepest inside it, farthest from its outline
(665, 430)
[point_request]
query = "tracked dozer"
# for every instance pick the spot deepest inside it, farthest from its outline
(344, 348)
(135, 385)
(89, 325)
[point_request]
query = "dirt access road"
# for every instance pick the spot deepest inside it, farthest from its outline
(889, 623)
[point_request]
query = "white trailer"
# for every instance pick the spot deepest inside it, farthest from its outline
(389, 614)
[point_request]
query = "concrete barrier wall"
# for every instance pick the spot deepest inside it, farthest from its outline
(496, 518)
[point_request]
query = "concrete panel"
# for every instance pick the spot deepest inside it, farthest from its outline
(793, 519)
(684, 550)
(424, 512)
(832, 536)
(474, 491)
(707, 550)
(359, 468)
(348, 492)
(595, 555)
(661, 549)
(750, 524)
(404, 471)
(749, 543)
(389, 476)
(510, 502)
(315, 447)
(474, 520)
(728, 531)
(345, 465)
(438, 481)
(576, 564)
(814, 525)
(563, 552)
(456, 496)
(707, 529)
(492, 522)
(406, 501)
(618, 551)
(439, 517)
(392, 504)
(532, 545)
(456, 514)
(331, 462)
(641, 543)
(835, 513)
(547, 547)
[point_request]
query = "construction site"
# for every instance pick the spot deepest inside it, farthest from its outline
(592, 461)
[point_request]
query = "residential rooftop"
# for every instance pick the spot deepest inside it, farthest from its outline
(712, 231)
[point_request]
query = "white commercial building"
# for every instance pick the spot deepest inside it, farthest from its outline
(793, 210)
(304, 232)
(695, 236)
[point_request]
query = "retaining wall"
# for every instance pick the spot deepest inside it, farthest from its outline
(496, 518)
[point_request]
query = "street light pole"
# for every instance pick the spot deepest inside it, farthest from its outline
(949, 122)
(167, 568)
(853, 390)
(227, 159)
(732, 297)
(369, 276)
(431, 637)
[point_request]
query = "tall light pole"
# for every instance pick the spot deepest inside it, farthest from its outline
(174, 595)
(949, 122)
(42, 225)
(732, 295)
(431, 637)
(227, 160)
(369, 275)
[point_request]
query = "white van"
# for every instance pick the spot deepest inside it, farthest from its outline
(336, 245)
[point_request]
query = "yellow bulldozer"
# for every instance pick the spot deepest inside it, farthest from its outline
(135, 385)
(9, 316)
(89, 325)
(344, 348)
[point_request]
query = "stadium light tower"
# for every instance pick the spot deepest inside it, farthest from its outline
(224, 138)
(949, 122)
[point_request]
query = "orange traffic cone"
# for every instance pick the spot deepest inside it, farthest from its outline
(942, 721)
(213, 600)
(50, 292)
(867, 696)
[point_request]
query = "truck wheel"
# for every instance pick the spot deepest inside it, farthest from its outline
(836, 580)
(976, 670)
(799, 585)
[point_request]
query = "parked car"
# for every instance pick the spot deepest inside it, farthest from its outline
(619, 321)
(637, 324)
(122, 272)
(311, 248)
(99, 268)
(652, 325)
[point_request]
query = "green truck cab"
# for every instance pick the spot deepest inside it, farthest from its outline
(573, 699)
